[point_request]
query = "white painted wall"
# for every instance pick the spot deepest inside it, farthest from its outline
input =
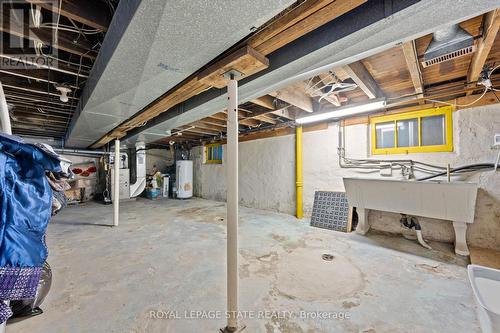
(267, 172)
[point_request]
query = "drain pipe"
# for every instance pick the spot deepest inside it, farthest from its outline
(6, 128)
(116, 189)
(298, 173)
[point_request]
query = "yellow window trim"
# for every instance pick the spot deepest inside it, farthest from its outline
(448, 147)
(207, 148)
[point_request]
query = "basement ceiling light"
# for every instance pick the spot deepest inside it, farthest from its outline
(64, 93)
(349, 110)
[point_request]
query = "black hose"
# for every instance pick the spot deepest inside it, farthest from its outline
(471, 167)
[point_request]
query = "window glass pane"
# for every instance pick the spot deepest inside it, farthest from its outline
(433, 131)
(408, 133)
(210, 153)
(220, 152)
(385, 135)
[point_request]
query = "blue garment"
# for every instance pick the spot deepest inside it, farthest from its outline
(25, 210)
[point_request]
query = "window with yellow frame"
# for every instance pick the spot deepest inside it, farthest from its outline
(213, 153)
(421, 131)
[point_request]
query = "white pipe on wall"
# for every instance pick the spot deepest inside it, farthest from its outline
(4, 113)
(116, 188)
(232, 205)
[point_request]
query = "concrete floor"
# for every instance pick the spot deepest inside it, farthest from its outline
(170, 256)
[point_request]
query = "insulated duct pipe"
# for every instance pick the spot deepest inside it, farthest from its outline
(140, 168)
(4, 113)
(298, 173)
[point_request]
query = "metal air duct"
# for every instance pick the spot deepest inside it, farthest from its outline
(447, 44)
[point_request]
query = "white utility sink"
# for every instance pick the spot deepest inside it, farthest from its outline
(453, 201)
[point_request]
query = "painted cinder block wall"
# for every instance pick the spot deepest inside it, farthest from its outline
(267, 173)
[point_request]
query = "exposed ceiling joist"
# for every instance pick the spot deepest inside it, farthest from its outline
(360, 75)
(38, 102)
(266, 119)
(296, 96)
(289, 113)
(204, 126)
(213, 122)
(35, 91)
(197, 130)
(266, 101)
(61, 67)
(491, 25)
(32, 75)
(65, 39)
(31, 112)
(410, 54)
(93, 13)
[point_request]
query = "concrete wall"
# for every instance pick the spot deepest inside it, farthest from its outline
(162, 158)
(267, 172)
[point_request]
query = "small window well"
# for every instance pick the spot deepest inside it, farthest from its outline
(413, 132)
(213, 153)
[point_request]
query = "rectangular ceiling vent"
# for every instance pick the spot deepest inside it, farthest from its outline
(448, 44)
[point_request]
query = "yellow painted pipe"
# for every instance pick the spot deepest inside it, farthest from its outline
(298, 175)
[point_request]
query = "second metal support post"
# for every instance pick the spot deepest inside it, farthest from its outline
(116, 188)
(232, 204)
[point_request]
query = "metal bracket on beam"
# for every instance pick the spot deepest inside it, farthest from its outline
(231, 74)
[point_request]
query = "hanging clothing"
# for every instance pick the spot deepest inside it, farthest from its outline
(25, 210)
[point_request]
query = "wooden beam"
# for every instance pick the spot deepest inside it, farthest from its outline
(93, 13)
(360, 75)
(245, 60)
(295, 95)
(410, 54)
(491, 25)
(301, 20)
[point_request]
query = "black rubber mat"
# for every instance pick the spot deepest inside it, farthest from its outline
(330, 211)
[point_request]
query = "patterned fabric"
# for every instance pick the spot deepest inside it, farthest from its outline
(17, 283)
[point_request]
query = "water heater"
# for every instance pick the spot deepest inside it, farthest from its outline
(184, 179)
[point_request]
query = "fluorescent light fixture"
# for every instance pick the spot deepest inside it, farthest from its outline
(348, 110)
